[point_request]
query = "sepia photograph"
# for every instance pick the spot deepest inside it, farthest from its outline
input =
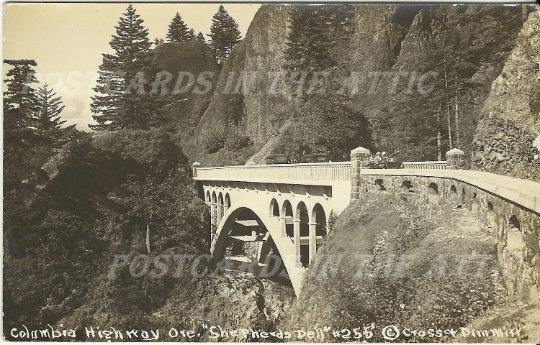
(327, 172)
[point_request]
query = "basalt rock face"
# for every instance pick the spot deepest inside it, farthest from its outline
(510, 124)
(189, 70)
(242, 95)
(409, 49)
(396, 52)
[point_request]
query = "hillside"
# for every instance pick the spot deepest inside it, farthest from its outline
(93, 201)
(398, 266)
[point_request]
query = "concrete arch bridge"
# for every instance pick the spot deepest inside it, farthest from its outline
(288, 209)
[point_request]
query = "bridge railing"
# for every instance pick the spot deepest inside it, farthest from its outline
(519, 191)
(330, 171)
(425, 165)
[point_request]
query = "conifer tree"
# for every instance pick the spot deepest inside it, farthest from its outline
(308, 41)
(158, 41)
(48, 109)
(122, 99)
(200, 37)
(191, 35)
(18, 110)
(19, 94)
(224, 34)
(178, 30)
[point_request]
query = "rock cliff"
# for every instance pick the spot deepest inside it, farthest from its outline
(508, 137)
(391, 54)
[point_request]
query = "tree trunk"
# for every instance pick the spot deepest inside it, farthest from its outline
(448, 106)
(439, 135)
(457, 113)
(148, 238)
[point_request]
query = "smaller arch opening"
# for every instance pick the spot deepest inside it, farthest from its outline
(513, 223)
(287, 213)
(475, 204)
(407, 187)
(433, 189)
(274, 208)
(380, 184)
(318, 216)
(286, 209)
(490, 216)
(227, 201)
(453, 197)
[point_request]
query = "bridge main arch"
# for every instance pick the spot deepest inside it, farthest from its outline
(284, 245)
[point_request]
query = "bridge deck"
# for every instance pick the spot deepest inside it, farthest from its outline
(523, 192)
(303, 173)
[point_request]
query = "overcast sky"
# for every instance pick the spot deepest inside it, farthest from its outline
(67, 40)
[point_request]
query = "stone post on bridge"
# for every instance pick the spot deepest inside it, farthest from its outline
(359, 160)
(454, 159)
(195, 166)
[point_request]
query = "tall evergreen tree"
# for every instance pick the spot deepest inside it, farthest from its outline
(191, 35)
(178, 30)
(200, 37)
(19, 94)
(308, 42)
(115, 103)
(18, 110)
(224, 34)
(48, 109)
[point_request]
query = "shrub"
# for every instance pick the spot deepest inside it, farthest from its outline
(236, 141)
(214, 142)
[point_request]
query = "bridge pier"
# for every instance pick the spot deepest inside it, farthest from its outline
(219, 213)
(312, 241)
(283, 224)
(213, 215)
(297, 244)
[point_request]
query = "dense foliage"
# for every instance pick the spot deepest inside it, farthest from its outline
(91, 201)
(464, 48)
(325, 125)
(311, 39)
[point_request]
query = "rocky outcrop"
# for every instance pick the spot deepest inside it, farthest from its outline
(392, 41)
(242, 93)
(189, 64)
(510, 118)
